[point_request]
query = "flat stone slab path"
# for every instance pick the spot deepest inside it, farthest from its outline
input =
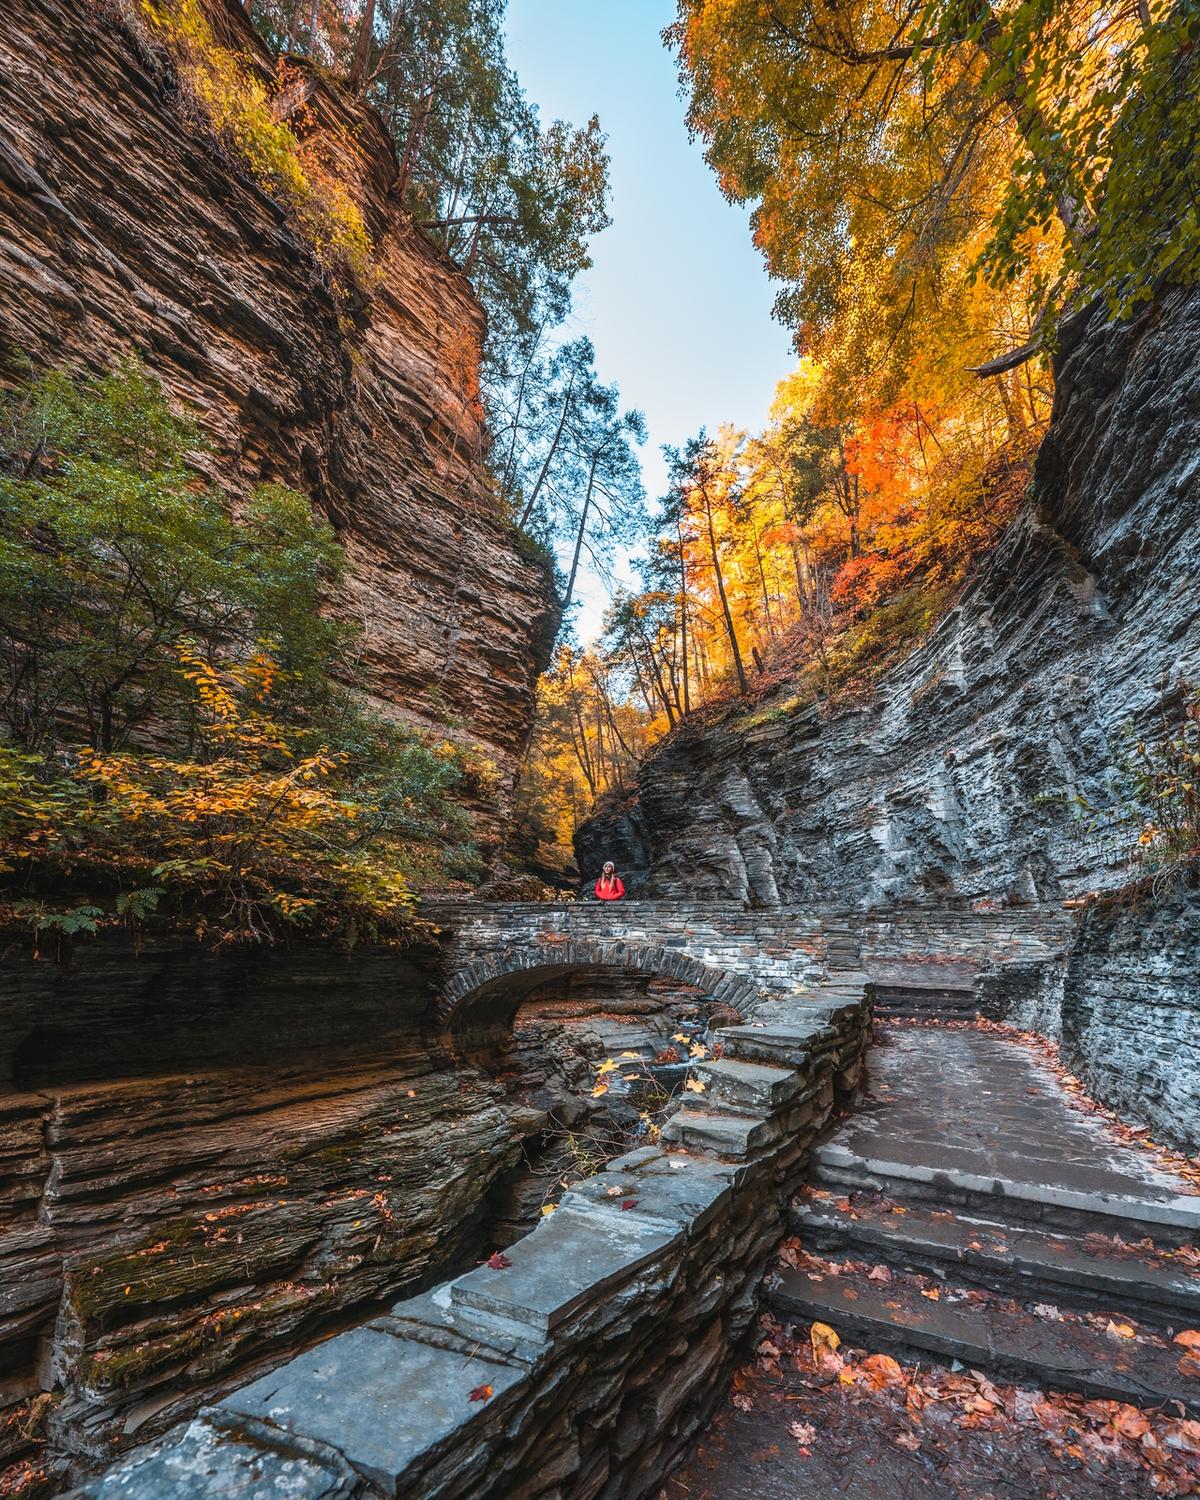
(1008, 1278)
(971, 1111)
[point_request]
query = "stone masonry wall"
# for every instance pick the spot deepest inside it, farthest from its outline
(499, 949)
(582, 1366)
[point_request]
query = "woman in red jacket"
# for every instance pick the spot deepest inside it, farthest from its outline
(610, 886)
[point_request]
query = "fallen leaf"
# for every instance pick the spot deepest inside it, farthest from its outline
(601, 1088)
(632, 1056)
(1189, 1338)
(803, 1432)
(823, 1337)
(1119, 1330)
(548, 1208)
(607, 1066)
(627, 1204)
(743, 1403)
(1128, 1422)
(482, 1393)
(908, 1440)
(680, 1036)
(933, 1294)
(879, 1273)
(882, 1369)
(694, 1085)
(499, 1261)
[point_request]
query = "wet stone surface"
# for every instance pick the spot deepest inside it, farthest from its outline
(977, 1103)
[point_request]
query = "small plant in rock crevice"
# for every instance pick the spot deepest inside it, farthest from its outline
(1155, 808)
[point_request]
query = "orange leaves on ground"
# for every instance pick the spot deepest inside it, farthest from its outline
(879, 1370)
(498, 1261)
(481, 1393)
(1189, 1338)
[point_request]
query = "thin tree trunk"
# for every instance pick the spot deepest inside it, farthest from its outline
(579, 535)
(541, 479)
(720, 577)
(683, 603)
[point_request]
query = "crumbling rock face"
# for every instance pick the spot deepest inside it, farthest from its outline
(1130, 1007)
(126, 229)
(957, 778)
(208, 1160)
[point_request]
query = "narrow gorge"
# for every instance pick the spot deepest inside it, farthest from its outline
(891, 1043)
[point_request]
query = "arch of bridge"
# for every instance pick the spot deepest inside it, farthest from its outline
(524, 965)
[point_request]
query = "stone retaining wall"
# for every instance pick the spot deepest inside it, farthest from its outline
(583, 1367)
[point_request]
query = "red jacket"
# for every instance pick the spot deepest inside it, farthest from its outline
(606, 891)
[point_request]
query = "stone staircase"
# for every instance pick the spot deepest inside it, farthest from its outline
(1054, 1263)
(924, 1002)
(746, 1087)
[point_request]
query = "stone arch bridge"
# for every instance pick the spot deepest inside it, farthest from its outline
(494, 954)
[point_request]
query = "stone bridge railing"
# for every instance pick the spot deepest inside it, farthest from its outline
(496, 952)
(583, 1363)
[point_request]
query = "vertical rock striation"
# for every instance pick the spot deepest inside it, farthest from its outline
(125, 228)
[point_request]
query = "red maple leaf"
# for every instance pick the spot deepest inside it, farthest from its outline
(627, 1204)
(498, 1261)
(482, 1393)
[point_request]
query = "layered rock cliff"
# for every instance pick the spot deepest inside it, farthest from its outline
(208, 1160)
(126, 229)
(958, 778)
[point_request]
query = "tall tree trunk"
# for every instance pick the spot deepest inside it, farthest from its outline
(720, 577)
(579, 535)
(362, 47)
(683, 604)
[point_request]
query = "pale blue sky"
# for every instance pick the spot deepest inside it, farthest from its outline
(677, 303)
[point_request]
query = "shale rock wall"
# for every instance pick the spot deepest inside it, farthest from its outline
(1130, 1008)
(126, 229)
(208, 1160)
(956, 779)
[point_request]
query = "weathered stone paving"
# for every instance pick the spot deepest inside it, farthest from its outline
(969, 1212)
(970, 1114)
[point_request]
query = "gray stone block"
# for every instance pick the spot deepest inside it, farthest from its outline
(213, 1458)
(381, 1401)
(569, 1261)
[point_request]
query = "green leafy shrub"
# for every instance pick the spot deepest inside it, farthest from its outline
(173, 734)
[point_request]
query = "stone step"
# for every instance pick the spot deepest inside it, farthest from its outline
(1024, 1263)
(734, 1136)
(1082, 1197)
(782, 1045)
(762, 1087)
(924, 1002)
(1002, 1339)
